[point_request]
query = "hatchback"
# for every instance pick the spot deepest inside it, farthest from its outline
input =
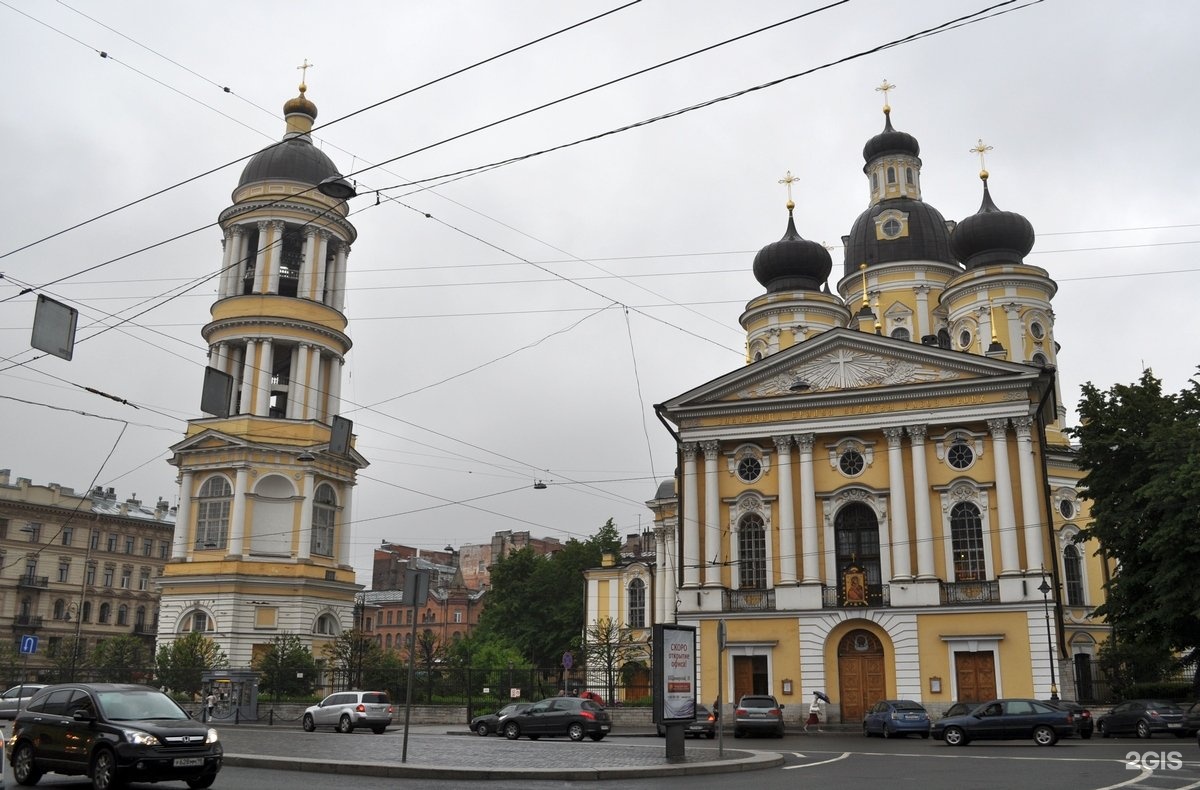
(760, 713)
(494, 722)
(1007, 719)
(570, 716)
(114, 733)
(16, 698)
(1143, 718)
(347, 710)
(892, 717)
(704, 725)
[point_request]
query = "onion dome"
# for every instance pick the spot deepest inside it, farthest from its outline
(924, 238)
(991, 235)
(295, 158)
(792, 263)
(890, 141)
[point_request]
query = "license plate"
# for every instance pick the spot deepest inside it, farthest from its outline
(187, 762)
(604, 728)
(1175, 725)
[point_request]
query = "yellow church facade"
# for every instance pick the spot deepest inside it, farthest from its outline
(882, 503)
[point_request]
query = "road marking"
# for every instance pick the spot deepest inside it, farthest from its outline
(1145, 774)
(823, 762)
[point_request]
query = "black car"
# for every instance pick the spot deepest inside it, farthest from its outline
(1007, 719)
(492, 722)
(571, 716)
(1143, 718)
(1084, 725)
(705, 725)
(113, 733)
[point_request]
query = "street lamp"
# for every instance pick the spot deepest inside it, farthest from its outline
(1044, 588)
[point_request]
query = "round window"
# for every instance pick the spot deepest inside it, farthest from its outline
(964, 339)
(960, 455)
(1036, 330)
(749, 469)
(852, 463)
(892, 228)
(1040, 360)
(1067, 508)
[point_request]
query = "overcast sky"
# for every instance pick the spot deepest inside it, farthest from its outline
(519, 323)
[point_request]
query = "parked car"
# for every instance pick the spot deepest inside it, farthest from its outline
(1083, 717)
(345, 711)
(1191, 719)
(16, 698)
(892, 717)
(1007, 719)
(114, 733)
(960, 709)
(571, 716)
(493, 722)
(705, 725)
(1143, 718)
(758, 713)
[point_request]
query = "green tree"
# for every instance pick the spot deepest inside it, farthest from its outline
(120, 659)
(286, 668)
(12, 664)
(70, 658)
(608, 647)
(182, 663)
(1140, 450)
(353, 656)
(428, 659)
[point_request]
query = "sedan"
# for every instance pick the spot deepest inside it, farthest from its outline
(892, 717)
(1083, 717)
(494, 722)
(705, 725)
(570, 716)
(16, 698)
(1007, 719)
(1143, 718)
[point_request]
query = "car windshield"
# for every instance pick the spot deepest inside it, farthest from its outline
(126, 705)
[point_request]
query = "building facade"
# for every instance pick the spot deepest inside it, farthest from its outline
(881, 502)
(262, 538)
(77, 569)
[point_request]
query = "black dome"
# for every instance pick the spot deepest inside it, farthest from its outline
(792, 263)
(927, 239)
(991, 235)
(890, 141)
(294, 159)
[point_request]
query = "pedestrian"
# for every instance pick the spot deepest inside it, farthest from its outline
(814, 715)
(210, 702)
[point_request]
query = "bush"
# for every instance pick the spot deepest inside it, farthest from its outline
(1162, 689)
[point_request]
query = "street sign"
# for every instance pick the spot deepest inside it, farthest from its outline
(28, 644)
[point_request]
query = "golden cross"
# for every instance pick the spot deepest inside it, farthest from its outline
(303, 68)
(884, 87)
(981, 149)
(787, 181)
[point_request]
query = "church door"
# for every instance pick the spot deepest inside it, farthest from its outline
(861, 679)
(976, 675)
(749, 676)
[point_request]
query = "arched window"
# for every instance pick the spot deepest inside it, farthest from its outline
(324, 509)
(122, 615)
(908, 176)
(60, 609)
(857, 531)
(1073, 571)
(900, 333)
(327, 625)
(388, 641)
(752, 553)
(196, 621)
(139, 619)
(966, 543)
(891, 175)
(637, 604)
(87, 612)
(212, 514)
(105, 612)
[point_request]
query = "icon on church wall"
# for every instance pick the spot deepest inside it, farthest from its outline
(854, 586)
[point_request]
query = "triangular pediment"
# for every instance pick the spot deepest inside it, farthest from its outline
(850, 363)
(210, 440)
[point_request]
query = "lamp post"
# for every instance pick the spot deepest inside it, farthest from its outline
(1044, 588)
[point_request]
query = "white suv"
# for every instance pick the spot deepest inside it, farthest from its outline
(346, 710)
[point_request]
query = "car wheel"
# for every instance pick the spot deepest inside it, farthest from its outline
(308, 724)
(1087, 736)
(866, 732)
(955, 736)
(481, 729)
(925, 735)
(1143, 730)
(24, 766)
(199, 783)
(104, 770)
(737, 733)
(1103, 728)
(597, 736)
(345, 725)
(575, 731)
(710, 735)
(779, 732)
(512, 731)
(885, 732)
(1045, 736)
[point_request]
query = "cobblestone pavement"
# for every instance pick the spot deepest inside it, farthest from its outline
(434, 752)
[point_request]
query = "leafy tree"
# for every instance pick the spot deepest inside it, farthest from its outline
(182, 663)
(120, 659)
(69, 659)
(608, 647)
(428, 657)
(1140, 449)
(286, 668)
(353, 655)
(11, 664)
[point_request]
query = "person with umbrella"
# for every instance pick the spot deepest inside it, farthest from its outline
(814, 711)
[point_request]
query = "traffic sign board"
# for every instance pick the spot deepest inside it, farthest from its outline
(28, 644)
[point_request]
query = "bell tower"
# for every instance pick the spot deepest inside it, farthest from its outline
(262, 537)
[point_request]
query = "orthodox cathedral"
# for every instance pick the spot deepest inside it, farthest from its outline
(881, 503)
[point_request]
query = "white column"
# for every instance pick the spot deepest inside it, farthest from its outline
(810, 545)
(1034, 552)
(261, 255)
(335, 387)
(248, 378)
(339, 297)
(312, 398)
(299, 385)
(304, 550)
(218, 356)
(292, 386)
(923, 329)
(223, 281)
(660, 574)
(712, 516)
(322, 254)
(787, 518)
(344, 526)
(276, 257)
(236, 361)
(691, 517)
(1010, 560)
(304, 284)
(263, 405)
(924, 525)
(901, 558)
(183, 518)
(237, 518)
(237, 260)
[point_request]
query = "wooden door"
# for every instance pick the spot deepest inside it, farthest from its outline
(976, 676)
(749, 676)
(861, 675)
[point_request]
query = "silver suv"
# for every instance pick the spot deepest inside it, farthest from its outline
(346, 710)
